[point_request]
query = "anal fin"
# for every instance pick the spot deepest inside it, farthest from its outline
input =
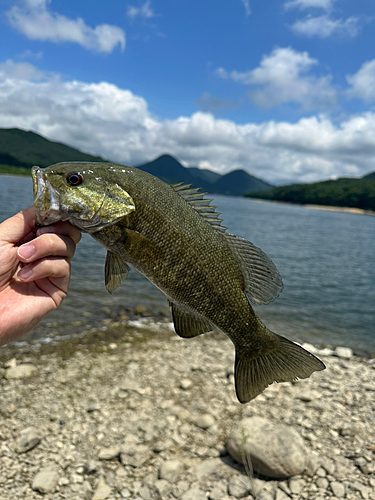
(115, 271)
(187, 325)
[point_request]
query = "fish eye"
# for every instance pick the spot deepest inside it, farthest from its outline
(74, 179)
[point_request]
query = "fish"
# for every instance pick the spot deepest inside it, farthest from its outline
(174, 237)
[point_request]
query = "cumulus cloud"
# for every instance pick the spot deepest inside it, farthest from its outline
(283, 77)
(104, 119)
(34, 19)
(325, 26)
(363, 83)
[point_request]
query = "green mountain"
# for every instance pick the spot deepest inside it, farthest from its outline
(370, 176)
(355, 193)
(236, 183)
(22, 149)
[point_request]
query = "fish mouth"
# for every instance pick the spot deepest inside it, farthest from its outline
(46, 199)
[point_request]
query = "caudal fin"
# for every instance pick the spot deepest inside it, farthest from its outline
(287, 362)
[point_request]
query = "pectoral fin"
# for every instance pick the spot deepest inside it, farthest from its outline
(116, 271)
(187, 326)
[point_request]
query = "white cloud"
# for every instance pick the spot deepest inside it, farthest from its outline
(34, 19)
(307, 4)
(21, 71)
(145, 11)
(363, 83)
(324, 26)
(283, 76)
(246, 4)
(104, 119)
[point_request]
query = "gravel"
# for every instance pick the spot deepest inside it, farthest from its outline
(146, 415)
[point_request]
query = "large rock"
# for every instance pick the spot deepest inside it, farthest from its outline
(275, 450)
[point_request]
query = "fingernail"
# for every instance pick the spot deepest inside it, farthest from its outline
(24, 273)
(26, 251)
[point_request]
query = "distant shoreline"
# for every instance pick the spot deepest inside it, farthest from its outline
(329, 208)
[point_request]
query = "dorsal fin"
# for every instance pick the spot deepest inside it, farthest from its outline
(263, 282)
(200, 204)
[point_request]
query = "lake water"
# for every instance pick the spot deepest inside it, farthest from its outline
(326, 260)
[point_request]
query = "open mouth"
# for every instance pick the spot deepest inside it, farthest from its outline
(46, 199)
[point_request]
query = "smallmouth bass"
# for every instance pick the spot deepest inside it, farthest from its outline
(173, 236)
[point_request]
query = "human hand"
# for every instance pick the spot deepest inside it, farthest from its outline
(34, 271)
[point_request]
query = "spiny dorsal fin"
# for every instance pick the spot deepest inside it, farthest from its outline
(115, 271)
(263, 282)
(200, 204)
(187, 326)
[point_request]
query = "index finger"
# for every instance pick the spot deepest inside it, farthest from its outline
(63, 228)
(17, 227)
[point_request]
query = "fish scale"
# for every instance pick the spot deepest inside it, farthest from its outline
(174, 237)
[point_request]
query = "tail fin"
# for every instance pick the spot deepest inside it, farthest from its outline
(287, 362)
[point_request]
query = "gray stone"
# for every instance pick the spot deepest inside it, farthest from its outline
(322, 483)
(45, 481)
(20, 371)
(194, 493)
(344, 352)
(170, 470)
(204, 421)
(102, 491)
(29, 438)
(109, 453)
(136, 456)
(338, 489)
(275, 450)
(186, 384)
(239, 486)
(265, 495)
(219, 491)
(296, 485)
(280, 495)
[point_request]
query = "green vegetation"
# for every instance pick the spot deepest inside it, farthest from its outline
(13, 170)
(355, 193)
(20, 150)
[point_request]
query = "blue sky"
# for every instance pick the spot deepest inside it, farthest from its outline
(282, 89)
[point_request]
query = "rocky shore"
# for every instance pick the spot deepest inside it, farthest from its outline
(138, 413)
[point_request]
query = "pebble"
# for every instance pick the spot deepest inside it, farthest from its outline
(238, 486)
(20, 371)
(109, 453)
(170, 470)
(204, 421)
(338, 489)
(219, 491)
(150, 418)
(186, 384)
(45, 481)
(194, 493)
(29, 438)
(344, 352)
(102, 491)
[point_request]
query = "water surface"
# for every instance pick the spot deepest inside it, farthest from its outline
(326, 260)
